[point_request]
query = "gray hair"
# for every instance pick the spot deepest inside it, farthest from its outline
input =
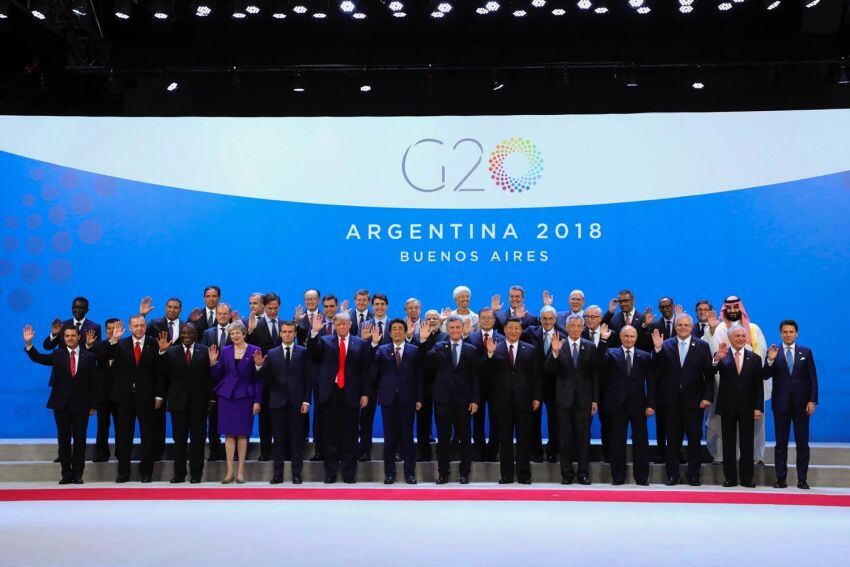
(593, 307)
(578, 291)
(237, 325)
(548, 309)
(578, 318)
(255, 294)
(413, 300)
(434, 311)
(225, 305)
(452, 319)
(461, 289)
(342, 315)
(517, 288)
(685, 316)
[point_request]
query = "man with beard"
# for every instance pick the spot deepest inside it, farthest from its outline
(733, 314)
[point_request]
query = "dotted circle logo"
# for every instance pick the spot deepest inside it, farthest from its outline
(516, 183)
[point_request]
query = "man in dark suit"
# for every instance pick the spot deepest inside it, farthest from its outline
(266, 336)
(134, 391)
(379, 320)
(628, 315)
(72, 381)
(627, 391)
(330, 306)
(795, 398)
(79, 309)
(685, 388)
(205, 318)
(666, 326)
(286, 371)
(456, 368)
(218, 335)
(513, 367)
(703, 309)
(397, 373)
(516, 308)
(425, 414)
(185, 382)
(484, 450)
(593, 332)
(342, 389)
(304, 319)
(106, 408)
(540, 336)
(573, 362)
(740, 402)
(360, 312)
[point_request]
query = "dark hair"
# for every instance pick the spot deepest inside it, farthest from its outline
(80, 298)
(70, 328)
(188, 325)
(703, 301)
(483, 309)
(666, 297)
(361, 291)
(382, 297)
(287, 324)
(513, 320)
(401, 322)
(626, 291)
(330, 297)
(213, 287)
(111, 320)
(791, 322)
(270, 296)
(177, 299)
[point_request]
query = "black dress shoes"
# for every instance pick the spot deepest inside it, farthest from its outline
(463, 479)
(317, 457)
(803, 485)
(330, 480)
(442, 479)
(349, 480)
(642, 483)
(524, 481)
(146, 479)
(278, 479)
(410, 479)
(263, 457)
(729, 484)
(618, 482)
(505, 480)
(672, 481)
(583, 479)
(694, 481)
(66, 480)
(389, 480)
(56, 460)
(748, 484)
(567, 480)
(195, 480)
(101, 458)
(177, 480)
(122, 478)
(363, 458)
(552, 458)
(77, 480)
(296, 479)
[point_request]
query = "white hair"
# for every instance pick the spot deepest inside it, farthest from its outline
(342, 315)
(548, 309)
(461, 289)
(578, 291)
(413, 300)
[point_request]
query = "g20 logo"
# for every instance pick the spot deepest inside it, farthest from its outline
(506, 171)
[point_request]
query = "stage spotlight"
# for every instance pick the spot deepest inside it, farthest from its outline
(810, 3)
(80, 7)
(252, 8)
(399, 15)
(299, 6)
(519, 13)
(202, 9)
(436, 14)
(238, 11)
(396, 6)
(359, 15)
(644, 10)
(538, 3)
(724, 6)
(443, 7)
(172, 86)
(687, 9)
(697, 81)
(279, 9)
(584, 4)
(347, 6)
(772, 4)
(558, 11)
(320, 15)
(600, 10)
(497, 85)
(365, 88)
(636, 3)
(123, 9)
(162, 9)
(38, 9)
(482, 11)
(4, 9)
(492, 6)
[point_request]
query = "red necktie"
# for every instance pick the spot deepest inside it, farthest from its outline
(138, 352)
(511, 354)
(73, 365)
(188, 356)
(340, 373)
(329, 328)
(397, 356)
(486, 337)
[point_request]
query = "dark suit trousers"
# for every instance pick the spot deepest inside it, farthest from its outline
(485, 412)
(551, 420)
(191, 421)
(681, 420)
(662, 433)
(398, 432)
(288, 423)
(618, 428)
(317, 428)
(730, 427)
(782, 426)
(159, 432)
(71, 424)
(367, 423)
(265, 424)
(339, 432)
(522, 421)
(574, 437)
(425, 419)
(128, 412)
(104, 411)
(453, 415)
(212, 430)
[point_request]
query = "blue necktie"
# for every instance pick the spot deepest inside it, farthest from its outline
(547, 343)
(575, 355)
(455, 354)
(683, 351)
(789, 359)
(222, 340)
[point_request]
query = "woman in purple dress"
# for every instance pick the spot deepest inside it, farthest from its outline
(240, 391)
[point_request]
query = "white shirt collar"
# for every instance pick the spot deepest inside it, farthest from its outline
(81, 322)
(574, 342)
(76, 351)
(509, 343)
(626, 350)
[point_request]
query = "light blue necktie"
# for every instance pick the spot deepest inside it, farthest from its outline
(789, 359)
(547, 343)
(683, 351)
(575, 355)
(455, 354)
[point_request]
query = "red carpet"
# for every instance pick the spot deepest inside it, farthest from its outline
(769, 496)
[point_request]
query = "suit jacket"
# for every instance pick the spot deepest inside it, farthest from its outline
(621, 390)
(261, 336)
(561, 320)
(355, 321)
(476, 339)
(73, 392)
(289, 383)
(57, 341)
(105, 374)
(185, 385)
(520, 381)
(453, 385)
(617, 321)
(613, 340)
(575, 384)
(502, 316)
(302, 328)
(661, 325)
(684, 385)
(202, 324)
(156, 326)
(237, 381)
(324, 352)
(128, 376)
(385, 337)
(393, 383)
(740, 394)
(210, 337)
(794, 389)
